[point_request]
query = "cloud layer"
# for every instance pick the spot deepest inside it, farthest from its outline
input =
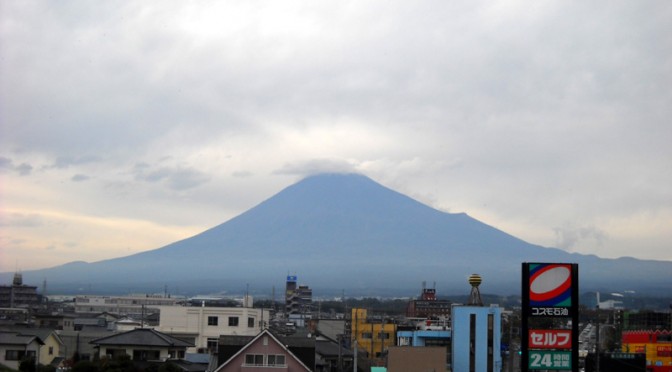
(153, 121)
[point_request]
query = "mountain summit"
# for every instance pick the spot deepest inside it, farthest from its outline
(346, 232)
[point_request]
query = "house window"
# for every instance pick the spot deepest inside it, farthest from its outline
(213, 320)
(51, 350)
(276, 360)
(146, 355)
(233, 321)
(14, 354)
(254, 359)
(367, 335)
(250, 322)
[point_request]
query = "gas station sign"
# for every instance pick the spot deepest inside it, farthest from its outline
(550, 339)
(550, 291)
(556, 360)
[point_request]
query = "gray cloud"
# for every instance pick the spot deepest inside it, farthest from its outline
(5, 163)
(22, 169)
(22, 220)
(175, 178)
(80, 178)
(569, 238)
(530, 115)
(63, 162)
(316, 166)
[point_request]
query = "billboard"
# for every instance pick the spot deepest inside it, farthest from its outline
(550, 294)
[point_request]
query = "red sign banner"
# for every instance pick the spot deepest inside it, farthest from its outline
(664, 351)
(550, 339)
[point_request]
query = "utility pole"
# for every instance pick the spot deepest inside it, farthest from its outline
(511, 343)
(597, 340)
(354, 358)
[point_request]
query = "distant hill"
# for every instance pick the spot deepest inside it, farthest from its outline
(344, 232)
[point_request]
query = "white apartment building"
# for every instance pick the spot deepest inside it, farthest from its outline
(202, 326)
(123, 305)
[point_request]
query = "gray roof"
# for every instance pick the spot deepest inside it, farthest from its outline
(197, 358)
(143, 337)
(330, 349)
(13, 338)
(42, 333)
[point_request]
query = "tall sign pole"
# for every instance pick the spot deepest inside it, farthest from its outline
(550, 291)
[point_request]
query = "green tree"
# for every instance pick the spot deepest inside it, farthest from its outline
(27, 365)
(48, 368)
(169, 367)
(85, 366)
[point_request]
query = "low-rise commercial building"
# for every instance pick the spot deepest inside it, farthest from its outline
(204, 325)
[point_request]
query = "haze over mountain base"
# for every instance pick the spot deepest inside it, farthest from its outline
(343, 232)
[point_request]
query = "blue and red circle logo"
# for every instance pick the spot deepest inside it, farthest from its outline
(550, 285)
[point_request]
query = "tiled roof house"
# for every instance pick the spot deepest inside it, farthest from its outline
(264, 352)
(142, 344)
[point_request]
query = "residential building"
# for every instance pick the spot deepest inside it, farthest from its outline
(476, 338)
(203, 325)
(424, 338)
(14, 347)
(77, 344)
(298, 298)
(266, 352)
(52, 347)
(57, 321)
(427, 306)
(18, 294)
(142, 344)
(123, 305)
(332, 355)
(373, 335)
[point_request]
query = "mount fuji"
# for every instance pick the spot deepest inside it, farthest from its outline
(344, 232)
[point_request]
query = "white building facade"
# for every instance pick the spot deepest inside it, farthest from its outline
(203, 325)
(123, 305)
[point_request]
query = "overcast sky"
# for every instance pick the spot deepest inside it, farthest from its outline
(125, 126)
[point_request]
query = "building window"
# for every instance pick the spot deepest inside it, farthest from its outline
(145, 355)
(383, 335)
(14, 354)
(250, 322)
(213, 321)
(51, 350)
(254, 359)
(276, 360)
(367, 335)
(212, 344)
(233, 321)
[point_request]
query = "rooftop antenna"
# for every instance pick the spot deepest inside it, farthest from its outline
(475, 295)
(273, 295)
